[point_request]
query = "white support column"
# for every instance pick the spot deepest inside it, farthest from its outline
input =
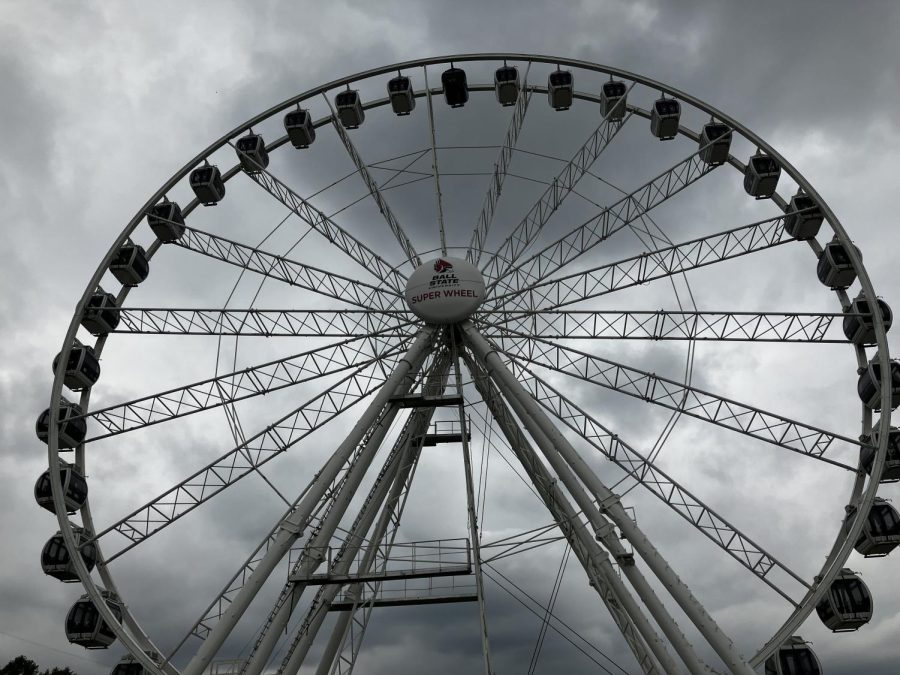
(626, 613)
(556, 448)
(313, 555)
(292, 526)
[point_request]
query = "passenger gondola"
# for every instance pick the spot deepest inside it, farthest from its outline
(86, 627)
(299, 127)
(72, 425)
(506, 85)
(252, 153)
(804, 217)
(349, 109)
(207, 184)
(130, 265)
(101, 315)
(561, 89)
(56, 561)
(400, 92)
(129, 665)
(881, 532)
(82, 367)
(456, 89)
(761, 176)
(75, 489)
(793, 657)
(715, 143)
(834, 268)
(870, 382)
(166, 221)
(891, 470)
(613, 95)
(859, 326)
(664, 117)
(847, 605)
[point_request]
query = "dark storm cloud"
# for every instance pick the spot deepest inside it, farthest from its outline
(94, 95)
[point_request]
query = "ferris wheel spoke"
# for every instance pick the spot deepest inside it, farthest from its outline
(346, 323)
(243, 384)
(727, 413)
(486, 217)
(439, 198)
(405, 244)
(725, 535)
(583, 238)
(644, 267)
(289, 271)
(275, 439)
(669, 325)
(328, 228)
(500, 263)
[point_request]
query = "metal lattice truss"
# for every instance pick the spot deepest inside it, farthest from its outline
(709, 407)
(334, 286)
(668, 325)
(250, 456)
(502, 270)
(498, 265)
(486, 216)
(383, 207)
(243, 384)
(346, 323)
(645, 267)
(337, 235)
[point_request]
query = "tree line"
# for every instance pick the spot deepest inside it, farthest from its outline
(22, 665)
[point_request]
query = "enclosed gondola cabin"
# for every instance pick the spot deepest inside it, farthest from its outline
(130, 265)
(834, 268)
(761, 176)
(880, 533)
(56, 561)
(804, 217)
(299, 127)
(891, 471)
(82, 367)
(207, 184)
(859, 326)
(101, 314)
(349, 109)
(75, 489)
(506, 85)
(129, 665)
(252, 153)
(86, 627)
(456, 89)
(613, 96)
(715, 143)
(664, 118)
(793, 657)
(72, 425)
(166, 221)
(871, 381)
(561, 89)
(847, 605)
(400, 92)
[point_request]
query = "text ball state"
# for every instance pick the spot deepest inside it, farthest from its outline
(445, 290)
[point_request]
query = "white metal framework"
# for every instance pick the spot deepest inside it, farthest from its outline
(518, 380)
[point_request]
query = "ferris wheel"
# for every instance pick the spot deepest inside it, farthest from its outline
(465, 297)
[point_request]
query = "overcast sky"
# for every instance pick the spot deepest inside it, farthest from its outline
(102, 102)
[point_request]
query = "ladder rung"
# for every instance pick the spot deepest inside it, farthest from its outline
(419, 401)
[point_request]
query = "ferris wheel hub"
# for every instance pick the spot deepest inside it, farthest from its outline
(445, 290)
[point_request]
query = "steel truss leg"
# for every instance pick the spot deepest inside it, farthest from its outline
(409, 445)
(559, 452)
(470, 506)
(313, 552)
(293, 525)
(638, 632)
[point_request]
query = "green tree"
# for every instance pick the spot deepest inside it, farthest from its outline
(21, 665)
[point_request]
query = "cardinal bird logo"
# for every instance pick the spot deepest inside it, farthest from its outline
(441, 265)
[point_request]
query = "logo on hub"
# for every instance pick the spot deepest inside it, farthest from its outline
(441, 265)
